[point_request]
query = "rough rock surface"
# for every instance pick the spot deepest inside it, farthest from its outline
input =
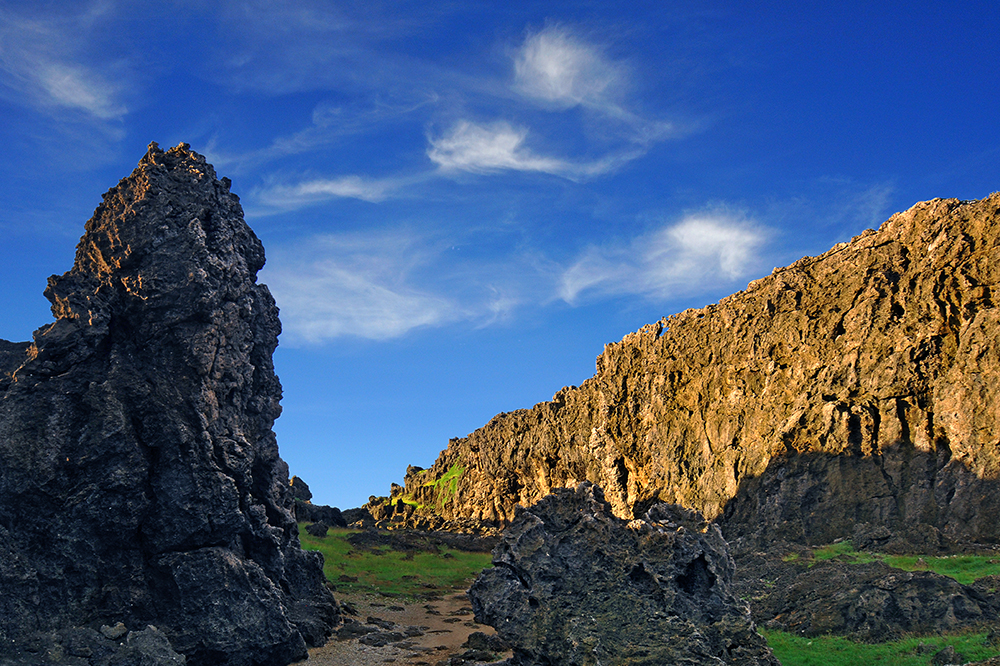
(862, 385)
(573, 584)
(79, 646)
(869, 602)
(300, 489)
(139, 475)
(307, 512)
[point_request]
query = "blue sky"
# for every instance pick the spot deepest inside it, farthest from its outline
(461, 203)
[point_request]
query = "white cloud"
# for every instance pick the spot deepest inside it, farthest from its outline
(43, 61)
(499, 146)
(283, 197)
(486, 148)
(700, 252)
(555, 67)
(354, 286)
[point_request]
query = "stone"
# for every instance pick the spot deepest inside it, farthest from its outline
(947, 657)
(477, 640)
(115, 632)
(140, 481)
(300, 489)
(859, 386)
(306, 512)
(317, 529)
(572, 583)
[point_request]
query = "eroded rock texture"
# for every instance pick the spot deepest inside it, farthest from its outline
(139, 476)
(573, 584)
(869, 602)
(860, 386)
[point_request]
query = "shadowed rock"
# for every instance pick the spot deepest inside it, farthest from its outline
(573, 584)
(139, 475)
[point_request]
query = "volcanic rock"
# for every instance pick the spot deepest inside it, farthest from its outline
(307, 512)
(300, 489)
(870, 602)
(860, 386)
(573, 584)
(139, 474)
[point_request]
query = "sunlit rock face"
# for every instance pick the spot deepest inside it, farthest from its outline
(139, 475)
(572, 583)
(859, 386)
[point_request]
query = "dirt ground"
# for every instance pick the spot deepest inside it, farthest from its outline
(432, 631)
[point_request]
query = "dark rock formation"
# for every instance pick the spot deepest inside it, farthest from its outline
(307, 512)
(79, 646)
(300, 489)
(139, 476)
(318, 529)
(573, 584)
(869, 602)
(862, 385)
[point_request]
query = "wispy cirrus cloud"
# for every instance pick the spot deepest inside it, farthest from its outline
(354, 285)
(558, 69)
(486, 148)
(330, 123)
(384, 284)
(379, 285)
(44, 63)
(489, 148)
(281, 197)
(555, 67)
(701, 252)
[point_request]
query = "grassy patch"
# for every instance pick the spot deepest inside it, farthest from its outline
(392, 573)
(842, 552)
(963, 568)
(792, 650)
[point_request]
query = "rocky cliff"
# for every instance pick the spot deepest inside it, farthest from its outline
(859, 386)
(139, 476)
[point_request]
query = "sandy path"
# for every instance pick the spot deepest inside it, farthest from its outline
(444, 625)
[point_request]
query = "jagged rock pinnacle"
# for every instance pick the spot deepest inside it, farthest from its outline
(139, 476)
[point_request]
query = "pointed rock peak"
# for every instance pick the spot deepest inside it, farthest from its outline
(171, 228)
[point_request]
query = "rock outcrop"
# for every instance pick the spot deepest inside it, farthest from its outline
(573, 584)
(140, 481)
(860, 386)
(871, 602)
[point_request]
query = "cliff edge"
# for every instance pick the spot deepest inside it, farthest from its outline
(140, 481)
(859, 386)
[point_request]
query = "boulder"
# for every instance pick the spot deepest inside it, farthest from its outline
(318, 530)
(573, 584)
(140, 481)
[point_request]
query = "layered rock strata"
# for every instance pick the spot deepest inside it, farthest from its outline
(140, 481)
(859, 386)
(573, 584)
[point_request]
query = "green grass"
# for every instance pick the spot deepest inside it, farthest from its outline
(963, 568)
(792, 650)
(412, 574)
